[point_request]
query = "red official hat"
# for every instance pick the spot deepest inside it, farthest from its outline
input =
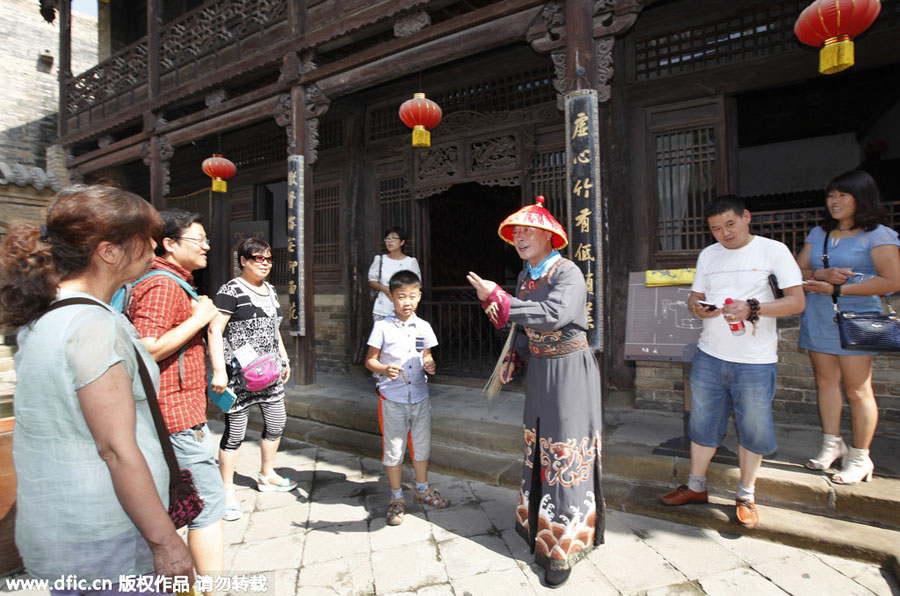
(534, 216)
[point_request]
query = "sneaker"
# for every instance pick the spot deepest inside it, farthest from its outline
(396, 511)
(274, 483)
(433, 498)
(233, 511)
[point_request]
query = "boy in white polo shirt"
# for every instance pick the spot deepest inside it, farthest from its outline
(400, 352)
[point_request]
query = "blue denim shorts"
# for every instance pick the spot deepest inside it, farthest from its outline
(717, 386)
(199, 456)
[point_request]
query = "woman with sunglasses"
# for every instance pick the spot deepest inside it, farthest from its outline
(386, 265)
(248, 326)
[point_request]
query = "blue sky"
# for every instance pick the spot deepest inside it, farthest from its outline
(85, 6)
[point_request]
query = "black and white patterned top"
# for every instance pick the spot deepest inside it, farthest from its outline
(255, 319)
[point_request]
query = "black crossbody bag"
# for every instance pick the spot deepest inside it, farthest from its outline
(867, 331)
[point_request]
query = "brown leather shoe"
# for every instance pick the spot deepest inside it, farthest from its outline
(683, 495)
(746, 512)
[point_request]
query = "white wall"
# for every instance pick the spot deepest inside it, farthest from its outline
(805, 164)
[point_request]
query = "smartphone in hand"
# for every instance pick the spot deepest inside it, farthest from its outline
(708, 306)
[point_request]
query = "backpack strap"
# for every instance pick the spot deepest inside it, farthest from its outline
(187, 288)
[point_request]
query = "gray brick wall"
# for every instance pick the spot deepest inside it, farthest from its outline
(659, 385)
(29, 102)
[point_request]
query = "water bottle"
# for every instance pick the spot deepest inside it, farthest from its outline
(737, 327)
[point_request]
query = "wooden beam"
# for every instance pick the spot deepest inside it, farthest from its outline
(475, 18)
(479, 38)
(235, 119)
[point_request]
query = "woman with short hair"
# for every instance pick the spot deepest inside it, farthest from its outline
(248, 322)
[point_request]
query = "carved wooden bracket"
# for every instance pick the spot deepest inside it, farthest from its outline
(166, 151)
(312, 140)
(491, 149)
(611, 18)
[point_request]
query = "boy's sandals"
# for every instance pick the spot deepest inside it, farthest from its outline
(396, 511)
(274, 483)
(433, 498)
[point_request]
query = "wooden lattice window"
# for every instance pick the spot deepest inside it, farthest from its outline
(327, 227)
(685, 180)
(395, 201)
(548, 178)
(688, 146)
(768, 30)
(510, 92)
(331, 134)
(268, 151)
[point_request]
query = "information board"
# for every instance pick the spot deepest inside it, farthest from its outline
(659, 325)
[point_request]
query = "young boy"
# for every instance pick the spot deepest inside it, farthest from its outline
(400, 352)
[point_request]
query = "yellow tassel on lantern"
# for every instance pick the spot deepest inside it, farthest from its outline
(219, 185)
(421, 136)
(836, 55)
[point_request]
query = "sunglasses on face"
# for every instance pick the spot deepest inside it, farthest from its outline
(262, 259)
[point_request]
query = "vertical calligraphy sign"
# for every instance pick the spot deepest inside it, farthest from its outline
(295, 235)
(583, 190)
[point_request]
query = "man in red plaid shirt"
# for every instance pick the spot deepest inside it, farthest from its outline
(171, 326)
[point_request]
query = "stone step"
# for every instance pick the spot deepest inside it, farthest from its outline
(793, 524)
(789, 486)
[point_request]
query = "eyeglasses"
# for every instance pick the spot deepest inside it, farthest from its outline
(391, 238)
(198, 241)
(262, 259)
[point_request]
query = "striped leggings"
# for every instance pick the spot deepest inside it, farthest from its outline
(274, 418)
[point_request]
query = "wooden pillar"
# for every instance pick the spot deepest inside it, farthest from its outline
(580, 44)
(157, 174)
(65, 65)
(304, 346)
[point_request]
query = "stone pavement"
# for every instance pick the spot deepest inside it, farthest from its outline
(329, 537)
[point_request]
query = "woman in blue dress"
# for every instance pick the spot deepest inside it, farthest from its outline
(862, 263)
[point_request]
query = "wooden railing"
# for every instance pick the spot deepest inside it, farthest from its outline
(468, 344)
(790, 226)
(215, 35)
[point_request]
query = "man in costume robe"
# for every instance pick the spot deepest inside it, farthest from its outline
(561, 510)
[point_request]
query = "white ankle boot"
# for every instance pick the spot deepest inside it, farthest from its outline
(858, 469)
(833, 447)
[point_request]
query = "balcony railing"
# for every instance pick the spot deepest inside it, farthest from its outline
(217, 34)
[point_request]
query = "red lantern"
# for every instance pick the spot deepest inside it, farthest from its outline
(420, 114)
(832, 25)
(219, 169)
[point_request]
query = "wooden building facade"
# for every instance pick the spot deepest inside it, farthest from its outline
(687, 89)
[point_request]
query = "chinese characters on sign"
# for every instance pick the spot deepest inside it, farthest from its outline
(583, 189)
(295, 234)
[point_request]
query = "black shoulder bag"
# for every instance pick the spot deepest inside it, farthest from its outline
(867, 331)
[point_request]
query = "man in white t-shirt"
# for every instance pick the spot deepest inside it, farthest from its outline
(735, 365)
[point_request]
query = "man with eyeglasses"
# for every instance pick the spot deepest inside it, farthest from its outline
(171, 326)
